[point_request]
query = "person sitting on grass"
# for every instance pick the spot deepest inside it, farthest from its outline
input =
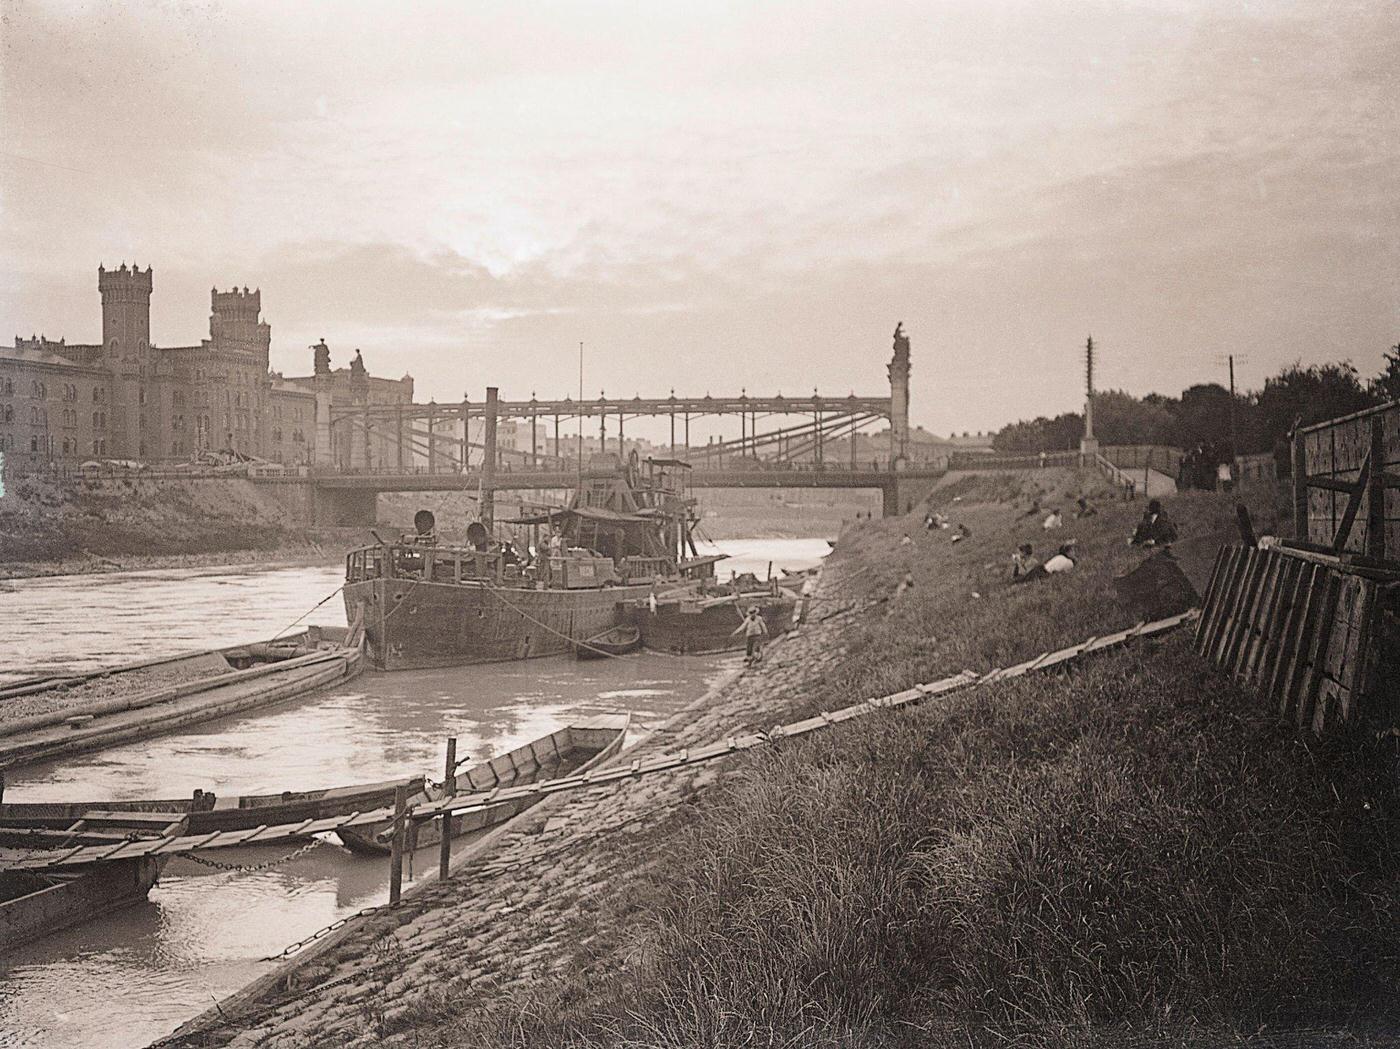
(1155, 528)
(1085, 510)
(960, 533)
(1054, 520)
(1024, 566)
(754, 630)
(1064, 559)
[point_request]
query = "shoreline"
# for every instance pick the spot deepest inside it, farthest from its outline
(296, 556)
(575, 832)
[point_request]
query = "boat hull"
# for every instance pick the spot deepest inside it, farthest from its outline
(691, 630)
(234, 813)
(569, 751)
(34, 906)
(412, 624)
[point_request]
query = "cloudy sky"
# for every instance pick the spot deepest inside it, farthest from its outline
(721, 195)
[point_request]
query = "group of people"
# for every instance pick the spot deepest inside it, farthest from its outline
(934, 521)
(1025, 566)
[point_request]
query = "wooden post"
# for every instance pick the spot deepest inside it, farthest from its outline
(449, 784)
(396, 846)
(1375, 492)
(1300, 486)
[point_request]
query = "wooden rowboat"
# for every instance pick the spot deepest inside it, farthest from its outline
(206, 812)
(44, 717)
(36, 903)
(617, 641)
(569, 751)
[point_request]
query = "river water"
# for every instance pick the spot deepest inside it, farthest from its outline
(133, 976)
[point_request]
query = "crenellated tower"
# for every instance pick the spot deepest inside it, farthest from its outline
(235, 325)
(126, 353)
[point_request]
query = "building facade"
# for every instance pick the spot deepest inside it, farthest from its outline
(126, 399)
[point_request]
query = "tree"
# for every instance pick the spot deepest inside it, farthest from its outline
(1386, 386)
(1303, 396)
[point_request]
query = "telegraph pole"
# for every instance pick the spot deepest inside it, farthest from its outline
(1088, 444)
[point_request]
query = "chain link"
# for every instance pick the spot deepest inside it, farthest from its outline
(292, 948)
(250, 868)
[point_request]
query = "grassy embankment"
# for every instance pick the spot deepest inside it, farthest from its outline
(1130, 850)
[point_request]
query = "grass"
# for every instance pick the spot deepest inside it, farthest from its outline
(1133, 850)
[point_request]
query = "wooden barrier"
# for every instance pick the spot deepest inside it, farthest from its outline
(1296, 625)
(1340, 469)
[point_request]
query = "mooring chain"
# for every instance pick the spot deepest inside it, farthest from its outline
(250, 868)
(292, 948)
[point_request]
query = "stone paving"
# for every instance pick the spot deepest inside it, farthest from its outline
(520, 913)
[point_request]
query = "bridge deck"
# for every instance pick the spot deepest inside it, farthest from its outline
(533, 480)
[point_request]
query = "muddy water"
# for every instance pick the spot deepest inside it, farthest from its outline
(135, 975)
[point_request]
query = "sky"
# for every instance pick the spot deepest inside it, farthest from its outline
(721, 196)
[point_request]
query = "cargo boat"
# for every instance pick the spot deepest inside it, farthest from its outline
(625, 531)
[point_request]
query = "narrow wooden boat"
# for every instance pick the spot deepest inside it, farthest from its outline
(44, 717)
(615, 642)
(568, 751)
(207, 813)
(34, 904)
(692, 626)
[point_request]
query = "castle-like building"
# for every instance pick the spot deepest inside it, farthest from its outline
(124, 398)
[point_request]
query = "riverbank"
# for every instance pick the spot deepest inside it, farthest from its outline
(1129, 850)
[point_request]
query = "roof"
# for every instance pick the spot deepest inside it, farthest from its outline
(22, 355)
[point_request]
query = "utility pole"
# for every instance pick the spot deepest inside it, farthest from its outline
(1088, 444)
(1234, 433)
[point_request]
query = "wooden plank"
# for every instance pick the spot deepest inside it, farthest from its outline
(1294, 646)
(1300, 486)
(1276, 648)
(1375, 491)
(1354, 501)
(1239, 611)
(1265, 622)
(1321, 635)
(1331, 484)
(1226, 599)
(1218, 615)
(1359, 668)
(1208, 603)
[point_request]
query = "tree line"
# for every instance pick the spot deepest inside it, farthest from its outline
(1202, 416)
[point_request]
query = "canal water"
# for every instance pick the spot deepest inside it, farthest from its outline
(134, 976)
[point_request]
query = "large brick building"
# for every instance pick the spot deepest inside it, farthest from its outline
(124, 398)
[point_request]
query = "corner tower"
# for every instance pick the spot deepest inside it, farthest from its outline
(126, 313)
(126, 355)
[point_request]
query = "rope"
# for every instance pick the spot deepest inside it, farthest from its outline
(313, 608)
(573, 641)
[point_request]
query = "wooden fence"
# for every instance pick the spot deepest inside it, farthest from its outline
(1298, 626)
(1346, 495)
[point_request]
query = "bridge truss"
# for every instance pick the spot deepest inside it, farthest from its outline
(794, 429)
